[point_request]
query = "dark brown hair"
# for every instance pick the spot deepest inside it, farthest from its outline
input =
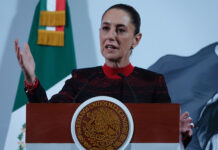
(134, 15)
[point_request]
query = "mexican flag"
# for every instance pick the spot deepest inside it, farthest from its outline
(51, 44)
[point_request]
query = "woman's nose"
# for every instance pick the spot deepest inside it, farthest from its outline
(112, 35)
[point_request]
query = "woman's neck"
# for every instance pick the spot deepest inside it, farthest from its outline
(116, 64)
(114, 72)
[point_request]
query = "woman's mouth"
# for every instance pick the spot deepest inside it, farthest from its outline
(110, 47)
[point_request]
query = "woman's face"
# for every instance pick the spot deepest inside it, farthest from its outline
(117, 37)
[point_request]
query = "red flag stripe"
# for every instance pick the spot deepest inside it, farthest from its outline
(60, 5)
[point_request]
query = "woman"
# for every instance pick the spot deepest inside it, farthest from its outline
(119, 35)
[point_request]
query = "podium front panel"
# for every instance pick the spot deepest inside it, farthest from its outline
(156, 124)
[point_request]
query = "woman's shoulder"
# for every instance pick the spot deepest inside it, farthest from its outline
(88, 69)
(84, 72)
(146, 73)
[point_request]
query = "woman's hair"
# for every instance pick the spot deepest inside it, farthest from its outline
(134, 15)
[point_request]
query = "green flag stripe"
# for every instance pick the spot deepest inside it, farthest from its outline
(43, 5)
(52, 63)
(42, 27)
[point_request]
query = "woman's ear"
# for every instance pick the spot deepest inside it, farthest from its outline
(136, 40)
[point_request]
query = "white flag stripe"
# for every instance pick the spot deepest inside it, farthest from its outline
(18, 118)
(57, 87)
(51, 5)
(50, 28)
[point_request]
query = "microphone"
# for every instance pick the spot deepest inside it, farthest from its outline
(131, 90)
(90, 78)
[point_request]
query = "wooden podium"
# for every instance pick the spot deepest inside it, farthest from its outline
(156, 126)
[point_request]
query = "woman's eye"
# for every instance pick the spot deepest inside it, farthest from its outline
(105, 28)
(120, 30)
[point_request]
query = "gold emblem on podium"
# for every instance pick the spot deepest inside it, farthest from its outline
(102, 125)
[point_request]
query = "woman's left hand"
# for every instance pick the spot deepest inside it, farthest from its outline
(186, 124)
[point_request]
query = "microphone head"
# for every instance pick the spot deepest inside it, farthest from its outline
(121, 75)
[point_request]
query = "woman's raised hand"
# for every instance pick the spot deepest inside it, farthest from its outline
(186, 124)
(26, 62)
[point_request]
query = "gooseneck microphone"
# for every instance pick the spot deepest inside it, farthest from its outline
(130, 88)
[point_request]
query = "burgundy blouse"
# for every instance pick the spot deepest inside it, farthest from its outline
(128, 84)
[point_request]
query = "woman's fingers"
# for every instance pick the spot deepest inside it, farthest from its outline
(15, 44)
(192, 125)
(185, 115)
(21, 62)
(188, 120)
(26, 61)
(16, 48)
(21, 55)
(186, 124)
(27, 49)
(189, 132)
(18, 52)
